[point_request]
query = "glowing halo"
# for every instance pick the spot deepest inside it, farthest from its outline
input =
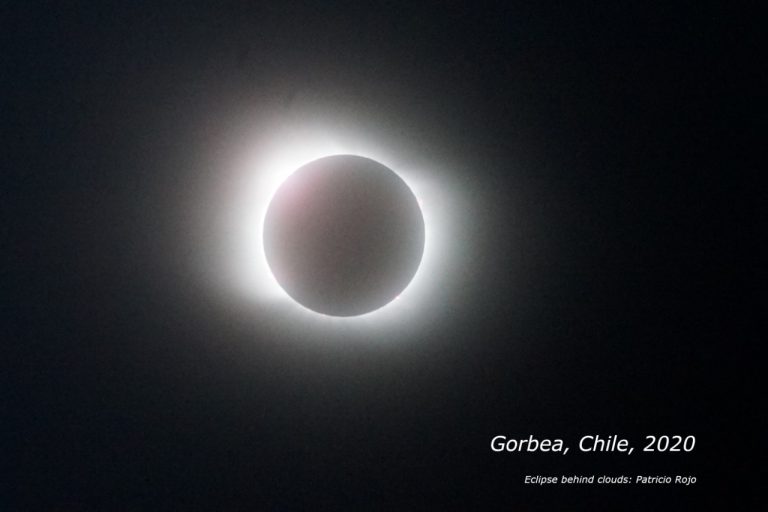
(264, 168)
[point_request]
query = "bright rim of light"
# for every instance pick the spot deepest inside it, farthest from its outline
(269, 164)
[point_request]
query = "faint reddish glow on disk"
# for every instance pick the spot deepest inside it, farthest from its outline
(344, 235)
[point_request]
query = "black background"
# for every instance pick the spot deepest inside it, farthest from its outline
(592, 145)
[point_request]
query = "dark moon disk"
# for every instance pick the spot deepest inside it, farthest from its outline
(344, 235)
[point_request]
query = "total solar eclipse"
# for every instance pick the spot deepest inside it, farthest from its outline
(343, 235)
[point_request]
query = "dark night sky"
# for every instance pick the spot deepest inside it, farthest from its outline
(591, 146)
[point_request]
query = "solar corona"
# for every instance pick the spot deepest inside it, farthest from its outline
(330, 226)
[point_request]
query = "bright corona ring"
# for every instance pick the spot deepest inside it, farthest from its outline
(343, 235)
(329, 227)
